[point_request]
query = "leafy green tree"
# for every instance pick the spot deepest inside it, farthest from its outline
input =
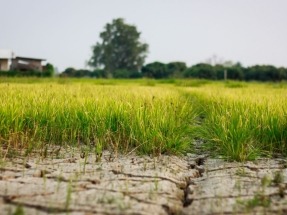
(219, 71)
(155, 70)
(48, 70)
(282, 73)
(124, 73)
(120, 49)
(176, 69)
(69, 72)
(201, 70)
(235, 72)
(264, 73)
(121, 73)
(98, 73)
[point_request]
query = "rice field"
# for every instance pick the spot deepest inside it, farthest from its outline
(235, 120)
(243, 121)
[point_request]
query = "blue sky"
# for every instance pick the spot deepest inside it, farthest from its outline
(63, 31)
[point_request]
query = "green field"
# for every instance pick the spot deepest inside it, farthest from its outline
(235, 120)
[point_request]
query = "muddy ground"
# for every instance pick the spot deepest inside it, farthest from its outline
(73, 183)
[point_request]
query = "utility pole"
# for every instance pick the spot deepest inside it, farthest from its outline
(225, 75)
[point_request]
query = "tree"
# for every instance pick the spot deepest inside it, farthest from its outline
(201, 70)
(235, 72)
(48, 70)
(263, 73)
(176, 69)
(282, 73)
(155, 70)
(78, 73)
(98, 73)
(69, 72)
(120, 49)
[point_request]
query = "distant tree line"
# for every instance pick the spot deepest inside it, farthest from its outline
(99, 73)
(158, 70)
(237, 72)
(48, 71)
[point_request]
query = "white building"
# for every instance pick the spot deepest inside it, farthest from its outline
(6, 57)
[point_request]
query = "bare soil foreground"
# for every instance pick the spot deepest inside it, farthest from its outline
(73, 183)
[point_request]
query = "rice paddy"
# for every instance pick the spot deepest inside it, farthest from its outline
(245, 122)
(236, 120)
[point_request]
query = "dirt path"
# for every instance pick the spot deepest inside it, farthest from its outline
(141, 185)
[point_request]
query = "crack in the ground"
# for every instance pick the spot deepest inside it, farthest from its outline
(178, 183)
(56, 210)
(8, 198)
(188, 192)
(129, 192)
(184, 186)
(61, 209)
(266, 211)
(10, 169)
(246, 166)
(234, 196)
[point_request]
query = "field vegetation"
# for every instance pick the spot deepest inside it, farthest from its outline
(243, 121)
(151, 120)
(237, 120)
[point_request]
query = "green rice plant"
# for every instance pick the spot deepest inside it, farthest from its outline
(69, 195)
(167, 81)
(149, 82)
(258, 200)
(235, 84)
(192, 82)
(239, 123)
(152, 120)
(242, 124)
(228, 132)
(278, 178)
(19, 210)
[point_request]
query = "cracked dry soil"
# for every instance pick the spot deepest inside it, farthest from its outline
(133, 184)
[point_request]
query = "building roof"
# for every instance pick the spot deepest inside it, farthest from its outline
(28, 58)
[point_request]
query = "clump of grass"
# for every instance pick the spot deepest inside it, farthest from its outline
(235, 84)
(105, 82)
(192, 82)
(69, 195)
(265, 182)
(229, 133)
(242, 172)
(282, 84)
(19, 210)
(258, 200)
(149, 82)
(167, 81)
(278, 178)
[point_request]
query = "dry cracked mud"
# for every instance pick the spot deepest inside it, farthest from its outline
(257, 187)
(130, 184)
(124, 185)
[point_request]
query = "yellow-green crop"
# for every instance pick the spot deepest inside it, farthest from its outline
(151, 120)
(242, 121)
(237, 120)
